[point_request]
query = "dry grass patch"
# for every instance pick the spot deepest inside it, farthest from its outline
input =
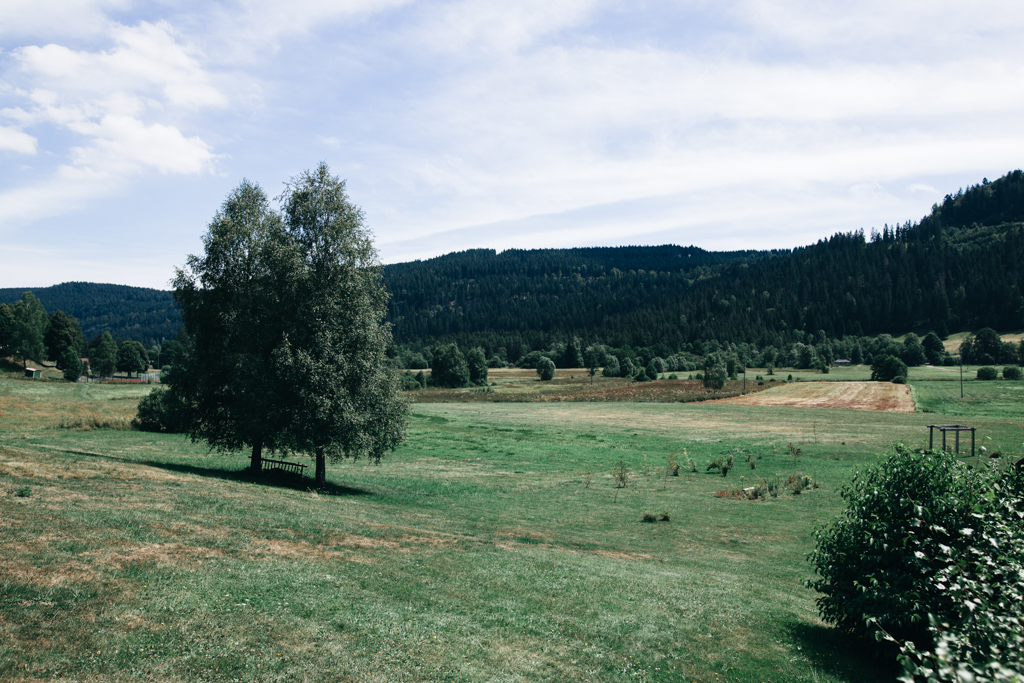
(15, 564)
(837, 395)
(166, 554)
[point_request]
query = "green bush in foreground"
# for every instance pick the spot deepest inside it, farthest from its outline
(984, 640)
(929, 555)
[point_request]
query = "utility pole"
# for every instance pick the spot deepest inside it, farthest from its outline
(961, 376)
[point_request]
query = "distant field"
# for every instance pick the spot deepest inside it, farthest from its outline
(846, 395)
(953, 341)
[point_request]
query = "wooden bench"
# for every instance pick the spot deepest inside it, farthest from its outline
(282, 466)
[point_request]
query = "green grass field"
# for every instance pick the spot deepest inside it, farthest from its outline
(493, 546)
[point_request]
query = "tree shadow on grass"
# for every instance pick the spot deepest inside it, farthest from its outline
(271, 478)
(281, 480)
(847, 658)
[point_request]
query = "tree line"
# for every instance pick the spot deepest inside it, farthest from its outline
(29, 333)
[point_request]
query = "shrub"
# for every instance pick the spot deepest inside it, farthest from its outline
(649, 517)
(885, 368)
(987, 373)
(1011, 372)
(161, 411)
(407, 382)
(673, 376)
(673, 465)
(982, 640)
(23, 492)
(546, 368)
(899, 379)
(448, 367)
(879, 563)
(476, 363)
(715, 372)
(620, 474)
(796, 483)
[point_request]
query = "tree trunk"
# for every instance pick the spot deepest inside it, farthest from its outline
(256, 463)
(321, 467)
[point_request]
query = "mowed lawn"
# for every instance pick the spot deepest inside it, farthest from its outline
(493, 546)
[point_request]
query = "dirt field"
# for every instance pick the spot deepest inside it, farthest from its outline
(893, 398)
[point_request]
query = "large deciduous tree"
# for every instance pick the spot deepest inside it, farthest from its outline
(236, 304)
(448, 367)
(131, 357)
(285, 321)
(341, 387)
(987, 347)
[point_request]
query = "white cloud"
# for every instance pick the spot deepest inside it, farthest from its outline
(127, 106)
(14, 140)
(484, 26)
(147, 60)
(123, 143)
(57, 18)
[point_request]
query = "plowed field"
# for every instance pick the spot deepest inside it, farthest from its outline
(893, 398)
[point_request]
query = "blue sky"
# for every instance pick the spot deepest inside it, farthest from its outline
(463, 124)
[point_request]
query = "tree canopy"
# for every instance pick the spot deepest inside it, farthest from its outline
(103, 356)
(29, 330)
(285, 317)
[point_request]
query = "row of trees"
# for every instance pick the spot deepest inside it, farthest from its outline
(26, 331)
(284, 334)
(808, 352)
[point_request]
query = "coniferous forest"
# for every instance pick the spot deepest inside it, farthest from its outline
(957, 268)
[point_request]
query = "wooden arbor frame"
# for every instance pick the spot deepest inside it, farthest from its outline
(950, 428)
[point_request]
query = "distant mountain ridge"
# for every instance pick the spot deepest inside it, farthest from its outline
(960, 267)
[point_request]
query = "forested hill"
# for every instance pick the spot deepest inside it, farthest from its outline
(959, 267)
(139, 313)
(538, 292)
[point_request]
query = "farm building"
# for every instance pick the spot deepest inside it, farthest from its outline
(32, 372)
(841, 361)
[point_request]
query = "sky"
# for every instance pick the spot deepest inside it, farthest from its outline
(463, 124)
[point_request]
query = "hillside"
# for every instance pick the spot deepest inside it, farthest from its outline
(957, 268)
(146, 315)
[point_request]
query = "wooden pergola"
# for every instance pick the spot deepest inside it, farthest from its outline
(950, 428)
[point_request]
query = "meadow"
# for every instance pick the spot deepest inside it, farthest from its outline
(493, 546)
